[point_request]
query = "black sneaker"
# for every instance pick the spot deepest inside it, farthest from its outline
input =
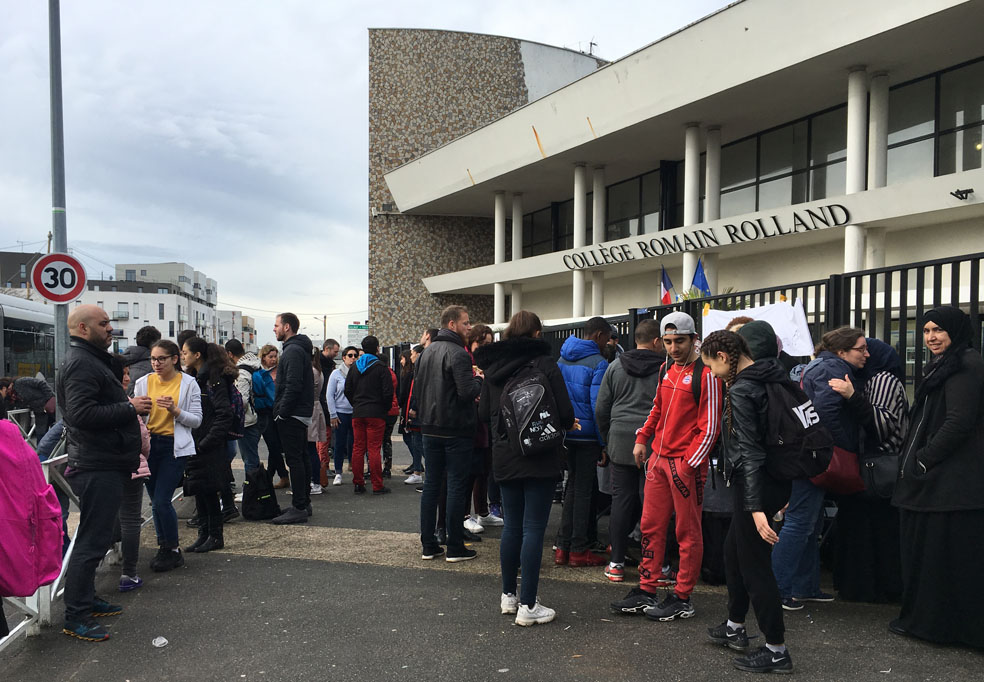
(408, 470)
(463, 554)
(469, 536)
(387, 473)
(724, 634)
(230, 514)
(381, 491)
(167, 560)
(670, 608)
(309, 509)
(635, 601)
(819, 597)
(432, 553)
(359, 489)
(292, 515)
(765, 661)
(101, 607)
(791, 604)
(194, 522)
(442, 537)
(88, 630)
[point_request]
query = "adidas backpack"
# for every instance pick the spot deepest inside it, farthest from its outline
(528, 411)
(797, 445)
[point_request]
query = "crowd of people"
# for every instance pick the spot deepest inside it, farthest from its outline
(671, 439)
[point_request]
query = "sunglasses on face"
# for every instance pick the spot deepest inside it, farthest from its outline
(351, 355)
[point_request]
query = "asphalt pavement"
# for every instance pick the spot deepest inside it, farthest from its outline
(347, 597)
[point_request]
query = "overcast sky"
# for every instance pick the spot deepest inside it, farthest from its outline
(232, 135)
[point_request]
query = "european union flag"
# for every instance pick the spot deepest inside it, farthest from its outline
(700, 279)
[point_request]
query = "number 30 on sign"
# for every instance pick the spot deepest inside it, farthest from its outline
(58, 277)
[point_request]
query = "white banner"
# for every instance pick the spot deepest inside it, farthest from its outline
(789, 321)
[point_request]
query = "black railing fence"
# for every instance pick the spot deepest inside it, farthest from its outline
(887, 303)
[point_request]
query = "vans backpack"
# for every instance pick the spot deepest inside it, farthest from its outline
(797, 445)
(30, 519)
(528, 411)
(259, 500)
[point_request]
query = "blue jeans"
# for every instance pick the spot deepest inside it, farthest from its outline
(415, 443)
(454, 457)
(249, 448)
(166, 472)
(343, 441)
(796, 557)
(526, 506)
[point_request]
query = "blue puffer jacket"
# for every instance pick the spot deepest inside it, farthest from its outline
(583, 368)
(832, 408)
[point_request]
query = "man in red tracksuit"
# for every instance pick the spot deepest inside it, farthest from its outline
(682, 433)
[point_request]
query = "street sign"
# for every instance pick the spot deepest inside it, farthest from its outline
(58, 277)
(357, 332)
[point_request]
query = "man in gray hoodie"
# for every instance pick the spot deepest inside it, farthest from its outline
(624, 401)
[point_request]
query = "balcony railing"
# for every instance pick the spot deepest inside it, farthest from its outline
(118, 315)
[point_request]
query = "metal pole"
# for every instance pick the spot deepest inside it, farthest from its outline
(57, 168)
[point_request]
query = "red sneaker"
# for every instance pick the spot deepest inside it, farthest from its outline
(561, 557)
(587, 558)
(615, 573)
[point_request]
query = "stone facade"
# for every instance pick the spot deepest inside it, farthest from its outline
(427, 88)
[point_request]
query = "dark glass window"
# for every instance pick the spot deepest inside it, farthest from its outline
(651, 198)
(160, 311)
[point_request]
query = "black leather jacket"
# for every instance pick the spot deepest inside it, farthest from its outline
(446, 388)
(103, 433)
(744, 442)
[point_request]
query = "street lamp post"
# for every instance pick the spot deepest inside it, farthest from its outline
(58, 220)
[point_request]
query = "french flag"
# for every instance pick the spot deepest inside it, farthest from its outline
(664, 289)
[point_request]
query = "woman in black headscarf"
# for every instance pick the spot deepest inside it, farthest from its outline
(867, 566)
(940, 490)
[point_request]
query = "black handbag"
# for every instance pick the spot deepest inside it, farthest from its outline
(879, 474)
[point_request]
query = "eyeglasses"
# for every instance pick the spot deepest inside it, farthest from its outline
(161, 358)
(351, 355)
(861, 349)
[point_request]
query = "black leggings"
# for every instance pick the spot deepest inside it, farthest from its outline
(748, 563)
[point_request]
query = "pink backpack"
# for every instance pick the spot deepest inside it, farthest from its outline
(30, 519)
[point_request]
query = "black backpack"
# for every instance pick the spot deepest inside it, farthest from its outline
(259, 500)
(528, 411)
(797, 445)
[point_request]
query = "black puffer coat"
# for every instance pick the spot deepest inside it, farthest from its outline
(208, 469)
(103, 433)
(500, 361)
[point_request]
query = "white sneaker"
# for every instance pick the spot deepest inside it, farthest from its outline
(238, 497)
(490, 520)
(413, 479)
(538, 614)
(315, 489)
(474, 526)
(338, 480)
(509, 603)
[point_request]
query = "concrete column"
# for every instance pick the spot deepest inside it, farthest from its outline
(517, 225)
(874, 252)
(599, 215)
(711, 270)
(580, 234)
(691, 197)
(712, 176)
(499, 299)
(857, 128)
(517, 298)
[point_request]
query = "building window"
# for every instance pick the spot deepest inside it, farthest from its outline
(139, 290)
(143, 273)
(160, 311)
(136, 309)
(23, 270)
(170, 328)
(537, 233)
(113, 288)
(162, 290)
(130, 276)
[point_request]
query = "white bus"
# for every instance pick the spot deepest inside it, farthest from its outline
(28, 337)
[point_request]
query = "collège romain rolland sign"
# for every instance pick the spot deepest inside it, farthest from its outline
(697, 238)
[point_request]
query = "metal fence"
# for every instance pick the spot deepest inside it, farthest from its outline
(886, 303)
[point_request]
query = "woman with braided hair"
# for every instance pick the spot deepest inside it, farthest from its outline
(758, 496)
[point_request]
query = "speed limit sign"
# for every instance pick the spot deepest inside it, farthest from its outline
(58, 277)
